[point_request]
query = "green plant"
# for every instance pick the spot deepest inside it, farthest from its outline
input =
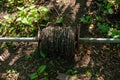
(25, 21)
(43, 54)
(101, 21)
(71, 71)
(88, 73)
(114, 33)
(12, 3)
(33, 76)
(59, 20)
(117, 1)
(45, 78)
(114, 2)
(104, 28)
(86, 19)
(109, 9)
(106, 8)
(40, 71)
(2, 2)
(28, 57)
(31, 14)
(110, 32)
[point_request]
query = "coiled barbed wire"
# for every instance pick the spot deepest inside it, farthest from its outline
(59, 41)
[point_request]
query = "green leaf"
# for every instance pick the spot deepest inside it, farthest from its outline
(42, 25)
(25, 21)
(45, 78)
(5, 27)
(20, 8)
(8, 18)
(116, 36)
(19, 19)
(32, 6)
(88, 73)
(114, 33)
(33, 76)
(52, 63)
(43, 11)
(11, 1)
(42, 68)
(46, 18)
(82, 20)
(103, 27)
(59, 20)
(42, 54)
(28, 57)
(43, 8)
(110, 11)
(86, 19)
(99, 18)
(69, 71)
(33, 13)
(109, 5)
(12, 28)
(117, 1)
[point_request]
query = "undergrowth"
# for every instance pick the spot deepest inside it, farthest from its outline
(101, 19)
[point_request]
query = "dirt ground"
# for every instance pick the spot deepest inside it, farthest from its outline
(94, 61)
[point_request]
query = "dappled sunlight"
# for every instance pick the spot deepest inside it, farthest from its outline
(10, 75)
(72, 43)
(25, 49)
(4, 55)
(16, 57)
(10, 56)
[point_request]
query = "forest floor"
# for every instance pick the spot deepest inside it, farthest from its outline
(92, 61)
